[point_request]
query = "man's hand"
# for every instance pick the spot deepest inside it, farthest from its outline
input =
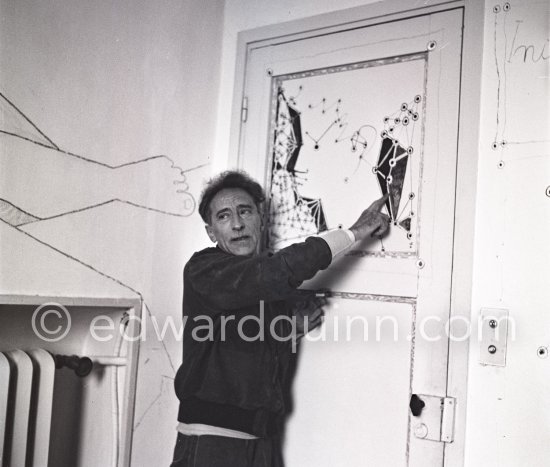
(371, 222)
(309, 314)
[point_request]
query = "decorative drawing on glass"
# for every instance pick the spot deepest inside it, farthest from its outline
(291, 215)
(391, 168)
(340, 140)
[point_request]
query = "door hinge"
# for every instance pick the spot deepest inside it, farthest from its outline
(433, 417)
(244, 110)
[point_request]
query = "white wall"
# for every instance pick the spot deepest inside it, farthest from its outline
(508, 419)
(110, 82)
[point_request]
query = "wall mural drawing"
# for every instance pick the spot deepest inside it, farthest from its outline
(25, 148)
(521, 54)
(391, 168)
(344, 133)
(13, 215)
(16, 123)
(291, 215)
(95, 214)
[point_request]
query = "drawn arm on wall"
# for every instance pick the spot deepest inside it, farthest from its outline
(46, 181)
(88, 212)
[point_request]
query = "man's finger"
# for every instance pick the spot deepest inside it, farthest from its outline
(379, 203)
(382, 228)
(316, 314)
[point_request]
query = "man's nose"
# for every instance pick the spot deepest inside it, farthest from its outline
(237, 223)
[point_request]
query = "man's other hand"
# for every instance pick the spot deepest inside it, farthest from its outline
(309, 314)
(371, 222)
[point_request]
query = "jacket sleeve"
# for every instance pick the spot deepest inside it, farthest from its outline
(228, 282)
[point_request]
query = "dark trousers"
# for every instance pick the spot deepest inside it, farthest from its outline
(221, 451)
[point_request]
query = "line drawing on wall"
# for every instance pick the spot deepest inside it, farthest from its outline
(161, 168)
(291, 215)
(325, 143)
(391, 168)
(56, 198)
(521, 53)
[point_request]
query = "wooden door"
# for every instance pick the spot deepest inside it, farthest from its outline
(335, 120)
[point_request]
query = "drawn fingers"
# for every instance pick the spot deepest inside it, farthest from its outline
(181, 185)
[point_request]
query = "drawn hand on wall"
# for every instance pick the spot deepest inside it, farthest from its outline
(47, 181)
(156, 183)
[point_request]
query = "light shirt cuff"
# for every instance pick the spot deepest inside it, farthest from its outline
(198, 429)
(338, 240)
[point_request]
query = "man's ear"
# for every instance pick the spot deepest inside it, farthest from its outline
(210, 233)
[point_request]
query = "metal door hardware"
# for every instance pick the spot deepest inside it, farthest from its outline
(434, 417)
(416, 405)
(493, 335)
(244, 110)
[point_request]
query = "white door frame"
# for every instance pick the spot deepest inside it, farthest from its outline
(467, 151)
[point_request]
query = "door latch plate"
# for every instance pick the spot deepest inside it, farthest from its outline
(436, 418)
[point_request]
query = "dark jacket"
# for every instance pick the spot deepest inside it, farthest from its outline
(226, 380)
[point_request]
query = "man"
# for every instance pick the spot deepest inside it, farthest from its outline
(234, 381)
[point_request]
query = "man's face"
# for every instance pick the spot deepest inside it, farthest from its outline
(235, 223)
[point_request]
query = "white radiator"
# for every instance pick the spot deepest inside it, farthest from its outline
(26, 395)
